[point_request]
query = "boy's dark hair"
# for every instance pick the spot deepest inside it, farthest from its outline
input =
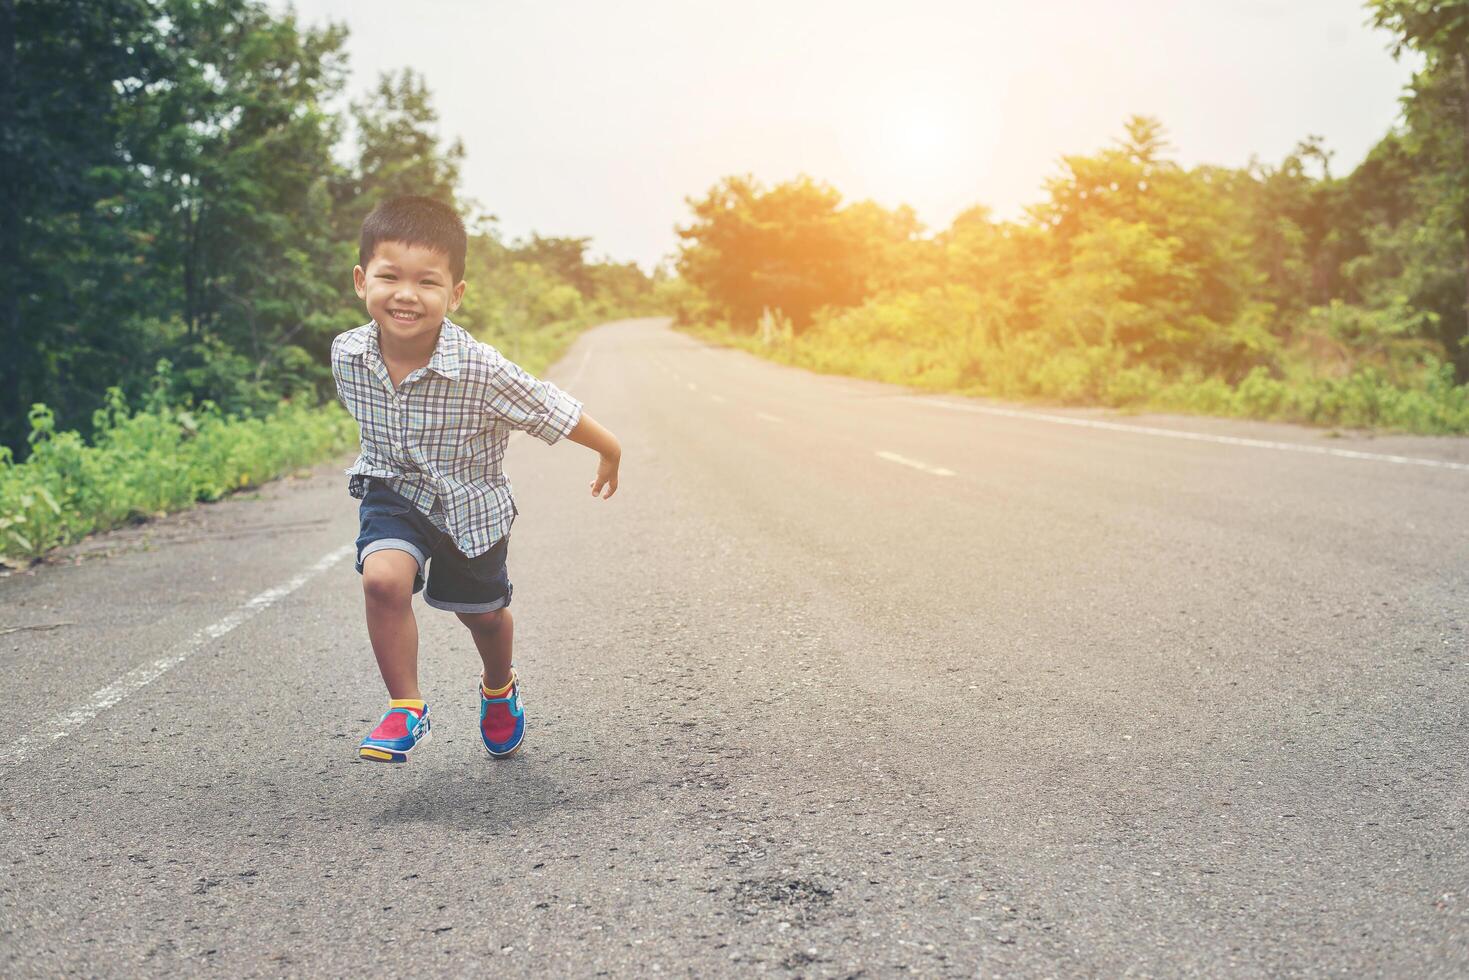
(415, 220)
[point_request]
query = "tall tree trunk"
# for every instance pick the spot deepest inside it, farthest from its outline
(12, 407)
(1461, 356)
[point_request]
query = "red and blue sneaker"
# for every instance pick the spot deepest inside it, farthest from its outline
(404, 726)
(501, 717)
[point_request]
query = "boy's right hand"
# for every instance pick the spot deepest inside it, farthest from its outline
(606, 476)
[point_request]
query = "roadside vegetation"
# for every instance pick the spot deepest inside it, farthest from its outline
(1274, 291)
(142, 463)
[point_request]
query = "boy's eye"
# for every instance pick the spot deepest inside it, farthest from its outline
(384, 275)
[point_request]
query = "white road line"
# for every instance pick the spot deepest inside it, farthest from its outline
(766, 416)
(580, 368)
(925, 467)
(61, 725)
(1147, 430)
(719, 398)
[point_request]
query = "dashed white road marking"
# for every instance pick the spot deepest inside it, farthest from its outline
(766, 416)
(580, 368)
(916, 464)
(61, 725)
(1147, 430)
(719, 398)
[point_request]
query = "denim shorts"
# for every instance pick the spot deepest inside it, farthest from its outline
(451, 581)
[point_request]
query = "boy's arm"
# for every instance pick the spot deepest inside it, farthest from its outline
(592, 434)
(540, 408)
(525, 402)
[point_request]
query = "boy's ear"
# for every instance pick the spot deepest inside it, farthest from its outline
(456, 296)
(359, 281)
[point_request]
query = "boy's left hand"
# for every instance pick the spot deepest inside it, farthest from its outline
(606, 476)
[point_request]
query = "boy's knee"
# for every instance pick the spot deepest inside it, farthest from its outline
(387, 590)
(485, 622)
(388, 582)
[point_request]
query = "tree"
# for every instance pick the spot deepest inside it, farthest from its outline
(398, 149)
(792, 248)
(566, 257)
(1168, 244)
(169, 167)
(236, 156)
(1439, 30)
(74, 324)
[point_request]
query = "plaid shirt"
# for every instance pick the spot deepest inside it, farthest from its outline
(439, 437)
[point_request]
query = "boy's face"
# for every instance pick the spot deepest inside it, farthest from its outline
(408, 290)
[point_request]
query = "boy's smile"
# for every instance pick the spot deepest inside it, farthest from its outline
(408, 290)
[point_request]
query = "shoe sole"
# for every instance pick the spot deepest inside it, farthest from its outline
(373, 754)
(503, 755)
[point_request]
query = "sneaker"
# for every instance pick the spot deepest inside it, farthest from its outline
(399, 733)
(501, 719)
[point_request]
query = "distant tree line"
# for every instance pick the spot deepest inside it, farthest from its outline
(1132, 272)
(179, 186)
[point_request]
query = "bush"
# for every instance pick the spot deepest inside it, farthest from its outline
(954, 338)
(149, 462)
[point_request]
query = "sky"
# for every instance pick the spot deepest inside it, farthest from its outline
(600, 118)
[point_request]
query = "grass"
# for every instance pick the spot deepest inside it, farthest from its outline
(1366, 398)
(147, 463)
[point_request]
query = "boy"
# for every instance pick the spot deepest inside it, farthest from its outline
(435, 408)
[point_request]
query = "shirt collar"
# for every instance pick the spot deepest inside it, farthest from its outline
(445, 358)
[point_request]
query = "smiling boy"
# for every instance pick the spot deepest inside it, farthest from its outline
(436, 408)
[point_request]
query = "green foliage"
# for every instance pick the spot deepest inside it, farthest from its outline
(1438, 28)
(398, 152)
(1269, 292)
(175, 201)
(1429, 247)
(792, 248)
(141, 463)
(893, 339)
(75, 68)
(530, 298)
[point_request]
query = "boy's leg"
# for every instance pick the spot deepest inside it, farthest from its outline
(478, 591)
(387, 586)
(494, 636)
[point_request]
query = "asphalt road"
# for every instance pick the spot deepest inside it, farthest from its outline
(845, 681)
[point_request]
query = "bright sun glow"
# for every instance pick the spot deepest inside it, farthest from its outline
(918, 145)
(919, 140)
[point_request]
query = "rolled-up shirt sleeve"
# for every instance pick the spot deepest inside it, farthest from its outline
(339, 372)
(527, 403)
